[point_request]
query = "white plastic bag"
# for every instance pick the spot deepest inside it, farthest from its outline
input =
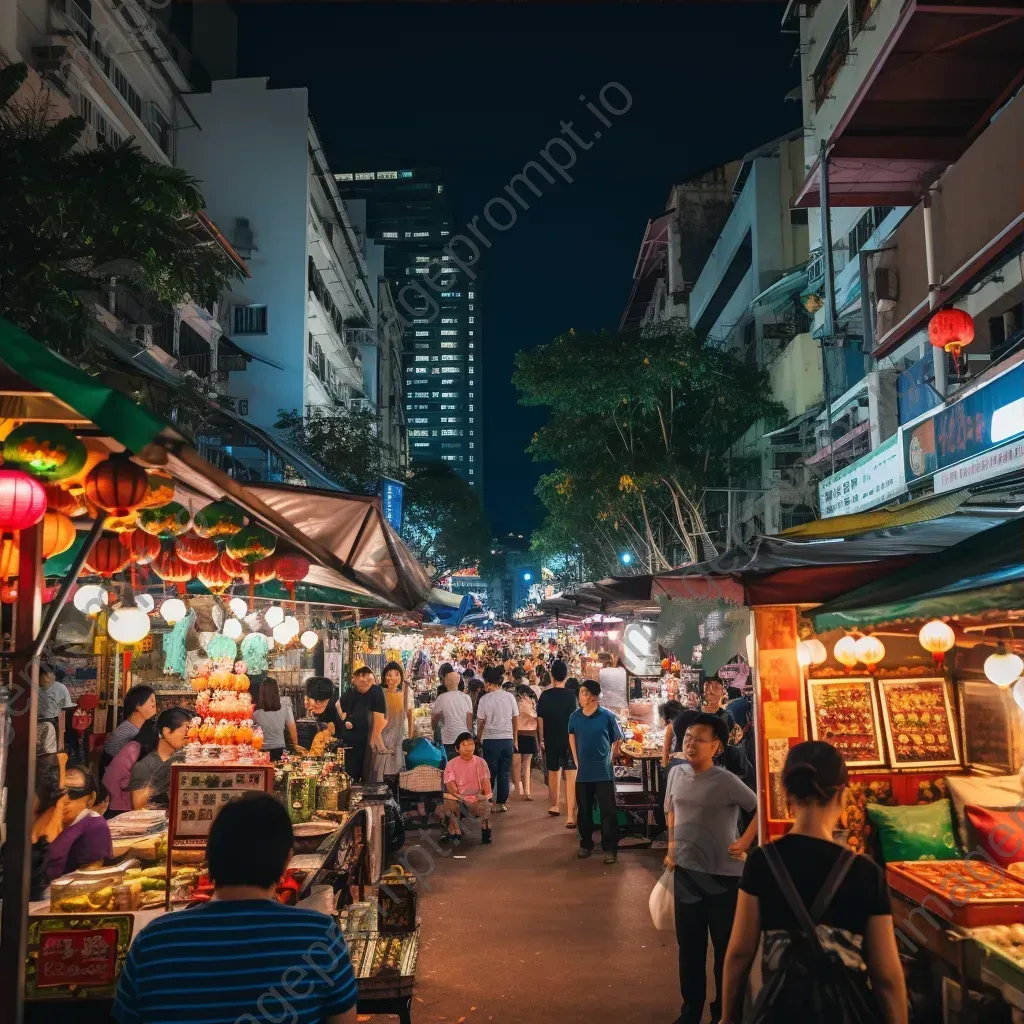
(663, 904)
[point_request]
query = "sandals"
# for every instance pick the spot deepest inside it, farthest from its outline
(570, 824)
(554, 812)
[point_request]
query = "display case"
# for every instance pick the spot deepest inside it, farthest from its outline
(970, 894)
(987, 715)
(919, 721)
(844, 712)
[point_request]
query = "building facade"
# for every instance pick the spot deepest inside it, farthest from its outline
(438, 304)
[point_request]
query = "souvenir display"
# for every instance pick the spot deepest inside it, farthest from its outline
(972, 893)
(919, 722)
(844, 712)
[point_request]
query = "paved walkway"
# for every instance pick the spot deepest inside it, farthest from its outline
(521, 932)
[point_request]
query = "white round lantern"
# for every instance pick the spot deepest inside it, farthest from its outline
(127, 625)
(937, 637)
(293, 624)
(870, 650)
(232, 629)
(845, 651)
(145, 603)
(309, 639)
(1004, 667)
(173, 610)
(803, 654)
(274, 615)
(238, 607)
(282, 634)
(91, 599)
(817, 651)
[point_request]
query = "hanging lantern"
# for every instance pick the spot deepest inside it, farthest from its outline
(107, 557)
(274, 616)
(803, 654)
(170, 520)
(58, 534)
(122, 524)
(251, 544)
(233, 567)
(238, 607)
(145, 603)
(937, 637)
(142, 548)
(291, 569)
(48, 451)
(118, 486)
(127, 624)
(845, 651)
(173, 610)
(91, 599)
(60, 500)
(292, 624)
(213, 577)
(218, 520)
(283, 634)
(263, 571)
(232, 629)
(161, 489)
(952, 330)
(9, 593)
(309, 639)
(818, 653)
(22, 500)
(870, 650)
(1004, 667)
(195, 550)
(171, 569)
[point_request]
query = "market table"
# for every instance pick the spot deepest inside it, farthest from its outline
(648, 798)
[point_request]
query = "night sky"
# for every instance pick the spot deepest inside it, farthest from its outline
(478, 90)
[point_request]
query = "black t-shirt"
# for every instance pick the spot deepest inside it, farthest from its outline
(359, 709)
(863, 893)
(330, 716)
(555, 705)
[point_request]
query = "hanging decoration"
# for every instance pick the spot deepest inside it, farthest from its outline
(221, 646)
(951, 330)
(91, 599)
(142, 548)
(870, 650)
(22, 500)
(232, 629)
(218, 520)
(9, 593)
(173, 610)
(811, 652)
(845, 651)
(283, 634)
(122, 524)
(233, 567)
(161, 489)
(309, 639)
(61, 500)
(1004, 667)
(1018, 694)
(48, 451)
(107, 557)
(251, 544)
(291, 569)
(145, 602)
(170, 520)
(95, 453)
(194, 549)
(263, 571)
(937, 637)
(254, 649)
(174, 641)
(9, 557)
(274, 615)
(213, 576)
(238, 607)
(118, 486)
(171, 569)
(127, 624)
(58, 534)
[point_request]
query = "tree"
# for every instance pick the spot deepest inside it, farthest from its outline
(639, 426)
(347, 445)
(71, 218)
(444, 523)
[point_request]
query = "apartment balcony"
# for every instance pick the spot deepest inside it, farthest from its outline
(914, 87)
(976, 225)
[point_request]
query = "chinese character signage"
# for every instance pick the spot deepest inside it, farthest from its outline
(392, 494)
(76, 956)
(199, 792)
(974, 432)
(870, 481)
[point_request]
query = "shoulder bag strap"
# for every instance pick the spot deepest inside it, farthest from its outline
(839, 871)
(785, 882)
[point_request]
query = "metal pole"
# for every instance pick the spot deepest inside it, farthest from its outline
(21, 780)
(830, 290)
(938, 354)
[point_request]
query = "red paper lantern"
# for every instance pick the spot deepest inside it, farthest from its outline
(142, 547)
(171, 569)
(235, 568)
(214, 577)
(64, 501)
(951, 329)
(58, 534)
(262, 571)
(291, 569)
(108, 557)
(22, 500)
(9, 593)
(117, 485)
(9, 557)
(194, 549)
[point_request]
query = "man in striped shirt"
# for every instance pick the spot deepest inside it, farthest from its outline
(242, 958)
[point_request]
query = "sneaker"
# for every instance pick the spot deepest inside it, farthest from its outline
(485, 837)
(501, 808)
(583, 852)
(611, 858)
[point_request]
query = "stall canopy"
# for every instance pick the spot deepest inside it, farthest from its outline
(345, 540)
(981, 573)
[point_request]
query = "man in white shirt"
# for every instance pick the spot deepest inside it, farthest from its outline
(453, 710)
(497, 717)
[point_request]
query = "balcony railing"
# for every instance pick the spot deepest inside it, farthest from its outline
(323, 296)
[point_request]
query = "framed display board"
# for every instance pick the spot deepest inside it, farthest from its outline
(989, 717)
(76, 956)
(199, 791)
(919, 722)
(844, 712)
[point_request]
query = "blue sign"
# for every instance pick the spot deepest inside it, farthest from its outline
(914, 395)
(984, 420)
(391, 495)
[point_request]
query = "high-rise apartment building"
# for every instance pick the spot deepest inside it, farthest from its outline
(438, 301)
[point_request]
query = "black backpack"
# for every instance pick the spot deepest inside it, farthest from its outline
(811, 983)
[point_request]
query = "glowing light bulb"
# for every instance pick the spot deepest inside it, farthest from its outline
(1003, 668)
(127, 625)
(91, 599)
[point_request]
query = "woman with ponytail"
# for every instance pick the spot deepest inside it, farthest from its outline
(806, 884)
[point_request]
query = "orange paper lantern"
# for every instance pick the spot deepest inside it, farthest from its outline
(214, 577)
(9, 551)
(171, 569)
(142, 547)
(291, 569)
(235, 568)
(262, 571)
(58, 534)
(107, 558)
(118, 485)
(60, 500)
(194, 549)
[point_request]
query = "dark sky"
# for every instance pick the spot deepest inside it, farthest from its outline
(479, 89)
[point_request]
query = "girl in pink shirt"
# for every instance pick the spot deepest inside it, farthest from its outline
(467, 783)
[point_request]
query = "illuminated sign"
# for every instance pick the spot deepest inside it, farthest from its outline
(392, 494)
(871, 480)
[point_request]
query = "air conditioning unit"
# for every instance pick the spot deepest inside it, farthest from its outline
(141, 334)
(242, 238)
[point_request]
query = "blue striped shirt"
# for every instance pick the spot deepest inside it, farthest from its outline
(251, 961)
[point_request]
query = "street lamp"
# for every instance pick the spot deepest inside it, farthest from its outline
(527, 576)
(625, 558)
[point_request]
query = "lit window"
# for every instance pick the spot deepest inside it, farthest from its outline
(343, 177)
(470, 295)
(449, 394)
(422, 320)
(450, 333)
(471, 445)
(423, 344)
(386, 175)
(364, 175)
(422, 259)
(472, 319)
(445, 232)
(440, 188)
(418, 433)
(471, 458)
(389, 234)
(421, 234)
(471, 306)
(448, 357)
(471, 357)
(471, 473)
(449, 320)
(471, 407)
(421, 444)
(471, 333)
(419, 270)
(423, 334)
(422, 359)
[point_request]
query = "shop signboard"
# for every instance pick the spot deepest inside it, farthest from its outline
(76, 956)
(914, 392)
(392, 494)
(867, 483)
(979, 424)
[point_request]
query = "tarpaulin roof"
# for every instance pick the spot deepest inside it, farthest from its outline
(921, 510)
(991, 561)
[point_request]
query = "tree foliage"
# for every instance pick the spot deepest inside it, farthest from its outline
(71, 218)
(639, 426)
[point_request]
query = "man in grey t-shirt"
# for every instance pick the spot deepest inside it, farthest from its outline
(705, 855)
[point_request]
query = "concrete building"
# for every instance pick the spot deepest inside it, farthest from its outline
(407, 211)
(263, 171)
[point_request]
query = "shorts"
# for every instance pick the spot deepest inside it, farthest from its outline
(527, 743)
(559, 758)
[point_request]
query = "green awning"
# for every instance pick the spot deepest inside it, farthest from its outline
(113, 412)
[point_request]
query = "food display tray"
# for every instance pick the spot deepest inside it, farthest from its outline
(970, 895)
(386, 982)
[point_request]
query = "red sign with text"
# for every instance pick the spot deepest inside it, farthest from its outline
(80, 958)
